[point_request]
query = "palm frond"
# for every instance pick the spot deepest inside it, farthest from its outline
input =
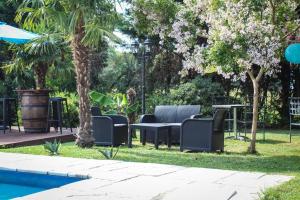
(47, 49)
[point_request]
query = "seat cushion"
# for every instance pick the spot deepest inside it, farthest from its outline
(95, 111)
(186, 111)
(165, 114)
(2, 127)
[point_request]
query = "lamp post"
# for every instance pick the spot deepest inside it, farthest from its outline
(142, 51)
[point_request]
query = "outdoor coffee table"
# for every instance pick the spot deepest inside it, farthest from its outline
(234, 107)
(144, 127)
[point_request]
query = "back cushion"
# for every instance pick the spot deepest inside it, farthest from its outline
(186, 111)
(219, 119)
(165, 114)
(95, 111)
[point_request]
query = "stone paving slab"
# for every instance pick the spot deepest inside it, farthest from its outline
(195, 175)
(111, 179)
(202, 191)
(253, 180)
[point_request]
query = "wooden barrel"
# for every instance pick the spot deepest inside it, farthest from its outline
(34, 108)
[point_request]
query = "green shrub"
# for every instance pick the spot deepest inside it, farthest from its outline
(186, 93)
(158, 97)
(199, 91)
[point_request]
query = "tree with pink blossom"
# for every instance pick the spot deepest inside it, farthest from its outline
(243, 41)
(236, 38)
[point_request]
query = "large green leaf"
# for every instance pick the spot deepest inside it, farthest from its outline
(124, 100)
(101, 99)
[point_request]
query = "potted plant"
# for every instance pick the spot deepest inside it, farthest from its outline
(38, 55)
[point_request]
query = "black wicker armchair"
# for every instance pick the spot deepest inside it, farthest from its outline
(206, 134)
(109, 130)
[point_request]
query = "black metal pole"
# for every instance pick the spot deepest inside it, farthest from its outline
(291, 80)
(143, 82)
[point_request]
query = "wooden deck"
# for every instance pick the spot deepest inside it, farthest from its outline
(15, 138)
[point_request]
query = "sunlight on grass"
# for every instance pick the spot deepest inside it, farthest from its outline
(275, 155)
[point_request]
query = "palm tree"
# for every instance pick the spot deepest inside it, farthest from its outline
(38, 55)
(86, 22)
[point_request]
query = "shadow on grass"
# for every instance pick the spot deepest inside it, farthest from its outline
(270, 141)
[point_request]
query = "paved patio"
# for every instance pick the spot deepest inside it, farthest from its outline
(110, 179)
(14, 138)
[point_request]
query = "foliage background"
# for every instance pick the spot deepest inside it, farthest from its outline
(114, 70)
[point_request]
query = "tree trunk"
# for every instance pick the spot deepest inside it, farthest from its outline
(252, 147)
(255, 83)
(131, 95)
(82, 68)
(40, 71)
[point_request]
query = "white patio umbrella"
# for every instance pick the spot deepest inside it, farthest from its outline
(15, 35)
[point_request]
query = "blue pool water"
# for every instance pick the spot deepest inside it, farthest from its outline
(9, 191)
(17, 184)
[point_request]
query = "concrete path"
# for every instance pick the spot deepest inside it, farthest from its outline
(114, 180)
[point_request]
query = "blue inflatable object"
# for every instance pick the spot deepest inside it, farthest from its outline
(292, 53)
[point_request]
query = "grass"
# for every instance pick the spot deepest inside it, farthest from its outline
(275, 155)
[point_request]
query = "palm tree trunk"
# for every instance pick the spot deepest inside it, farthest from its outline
(82, 68)
(40, 71)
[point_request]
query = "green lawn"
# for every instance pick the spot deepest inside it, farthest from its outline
(275, 155)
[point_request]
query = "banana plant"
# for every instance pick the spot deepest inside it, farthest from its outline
(103, 101)
(120, 102)
(115, 103)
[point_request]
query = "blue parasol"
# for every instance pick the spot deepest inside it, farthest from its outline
(15, 35)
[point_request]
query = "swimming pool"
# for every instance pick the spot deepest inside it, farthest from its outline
(15, 184)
